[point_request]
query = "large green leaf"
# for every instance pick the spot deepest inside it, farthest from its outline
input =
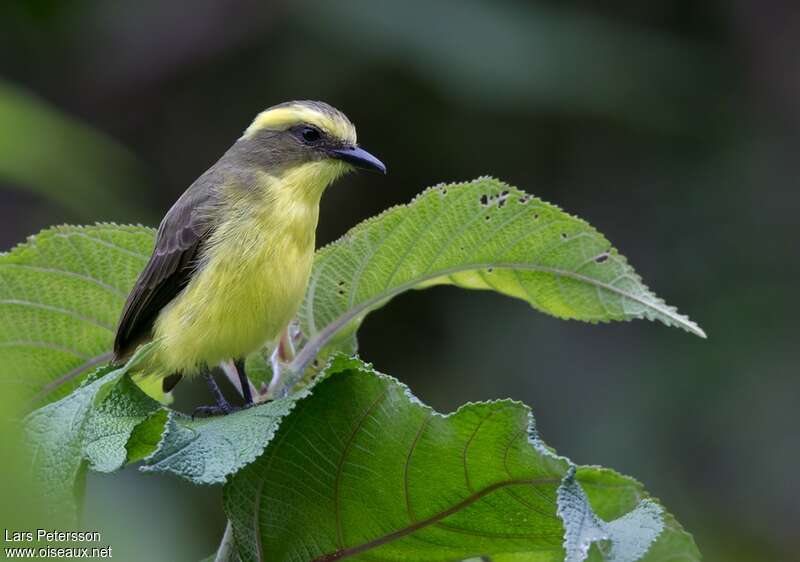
(123, 425)
(362, 470)
(61, 293)
(209, 450)
(63, 435)
(112, 423)
(482, 234)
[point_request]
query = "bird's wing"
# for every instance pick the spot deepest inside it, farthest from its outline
(179, 238)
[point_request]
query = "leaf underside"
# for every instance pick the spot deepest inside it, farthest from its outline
(207, 451)
(61, 293)
(482, 234)
(91, 424)
(363, 471)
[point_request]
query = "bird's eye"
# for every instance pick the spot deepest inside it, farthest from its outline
(310, 135)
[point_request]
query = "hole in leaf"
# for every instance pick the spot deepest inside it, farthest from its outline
(564, 235)
(602, 257)
(489, 269)
(484, 200)
(535, 217)
(502, 199)
(487, 217)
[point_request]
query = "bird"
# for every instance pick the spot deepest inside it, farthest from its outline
(233, 255)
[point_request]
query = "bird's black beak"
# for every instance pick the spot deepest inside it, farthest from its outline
(358, 157)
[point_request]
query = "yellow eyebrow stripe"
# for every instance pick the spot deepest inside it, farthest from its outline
(282, 118)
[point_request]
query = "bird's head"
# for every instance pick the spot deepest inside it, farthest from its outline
(308, 134)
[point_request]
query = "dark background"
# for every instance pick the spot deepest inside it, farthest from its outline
(672, 126)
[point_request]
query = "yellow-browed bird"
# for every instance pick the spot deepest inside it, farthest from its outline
(233, 255)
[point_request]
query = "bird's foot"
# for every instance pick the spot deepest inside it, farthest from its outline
(218, 410)
(209, 411)
(222, 407)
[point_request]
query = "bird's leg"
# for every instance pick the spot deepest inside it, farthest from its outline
(234, 370)
(222, 402)
(222, 407)
(247, 387)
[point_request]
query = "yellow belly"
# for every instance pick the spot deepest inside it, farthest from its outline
(239, 301)
(251, 278)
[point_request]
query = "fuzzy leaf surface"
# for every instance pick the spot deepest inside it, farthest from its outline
(61, 293)
(361, 470)
(209, 450)
(112, 423)
(64, 434)
(482, 234)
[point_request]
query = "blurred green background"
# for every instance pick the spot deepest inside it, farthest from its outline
(673, 126)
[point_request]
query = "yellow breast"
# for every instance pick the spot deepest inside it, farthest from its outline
(251, 277)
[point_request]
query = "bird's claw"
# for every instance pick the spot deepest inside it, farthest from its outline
(208, 411)
(218, 410)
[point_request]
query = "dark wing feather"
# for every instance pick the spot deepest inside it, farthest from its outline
(180, 237)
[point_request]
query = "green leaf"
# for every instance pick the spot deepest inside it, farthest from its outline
(112, 423)
(61, 294)
(362, 470)
(208, 450)
(482, 234)
(153, 387)
(146, 436)
(672, 544)
(55, 433)
(62, 435)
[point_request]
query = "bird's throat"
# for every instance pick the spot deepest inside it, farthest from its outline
(304, 183)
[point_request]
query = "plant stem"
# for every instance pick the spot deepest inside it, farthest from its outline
(226, 551)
